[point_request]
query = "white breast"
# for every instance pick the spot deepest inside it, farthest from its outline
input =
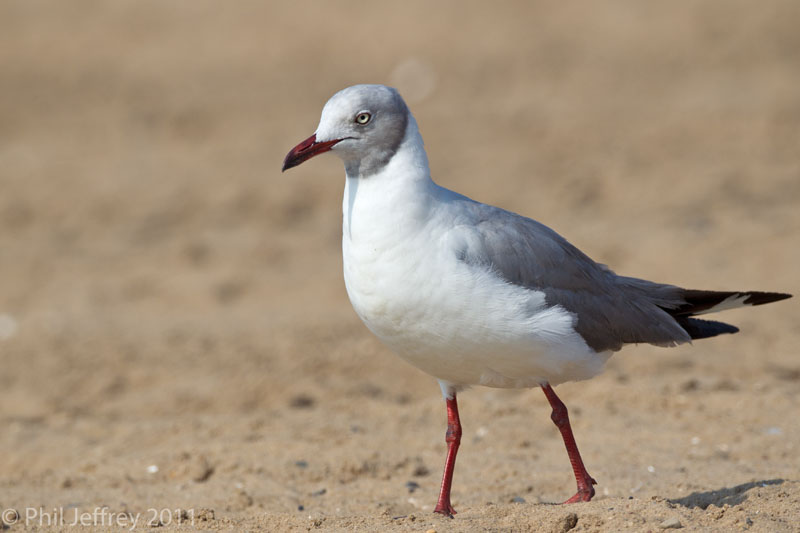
(452, 320)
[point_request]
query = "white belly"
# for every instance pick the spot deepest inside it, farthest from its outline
(458, 323)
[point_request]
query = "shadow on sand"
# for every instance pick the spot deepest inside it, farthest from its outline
(731, 496)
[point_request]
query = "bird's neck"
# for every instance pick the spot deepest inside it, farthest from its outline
(401, 189)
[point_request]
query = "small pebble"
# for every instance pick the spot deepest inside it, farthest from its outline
(421, 470)
(690, 385)
(300, 508)
(302, 401)
(671, 523)
(517, 499)
(200, 469)
(319, 492)
(412, 486)
(567, 523)
(301, 464)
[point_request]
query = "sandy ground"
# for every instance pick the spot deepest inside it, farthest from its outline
(175, 338)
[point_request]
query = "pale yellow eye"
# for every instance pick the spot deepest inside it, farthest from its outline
(363, 117)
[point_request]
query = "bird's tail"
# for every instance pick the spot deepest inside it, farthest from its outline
(702, 302)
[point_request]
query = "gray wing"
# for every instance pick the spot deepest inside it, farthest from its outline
(611, 310)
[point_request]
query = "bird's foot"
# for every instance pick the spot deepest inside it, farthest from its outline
(445, 508)
(585, 491)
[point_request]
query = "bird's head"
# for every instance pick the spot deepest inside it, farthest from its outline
(363, 124)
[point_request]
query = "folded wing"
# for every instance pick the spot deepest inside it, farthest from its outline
(611, 310)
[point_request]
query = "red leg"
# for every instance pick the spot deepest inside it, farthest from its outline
(561, 419)
(453, 439)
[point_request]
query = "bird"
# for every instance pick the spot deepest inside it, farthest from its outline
(473, 294)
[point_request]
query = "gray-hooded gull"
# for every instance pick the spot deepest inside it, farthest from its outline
(476, 295)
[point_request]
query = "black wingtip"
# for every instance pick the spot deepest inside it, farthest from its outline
(760, 298)
(699, 301)
(704, 329)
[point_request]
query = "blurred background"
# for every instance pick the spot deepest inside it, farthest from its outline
(174, 330)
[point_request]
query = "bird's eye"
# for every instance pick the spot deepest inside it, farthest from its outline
(363, 117)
